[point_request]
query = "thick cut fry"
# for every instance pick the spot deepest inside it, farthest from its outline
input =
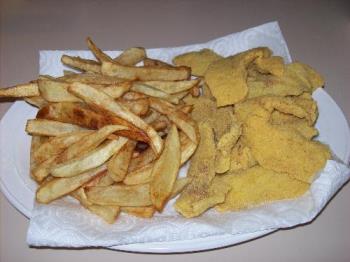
(133, 96)
(165, 170)
(151, 91)
(36, 142)
(144, 158)
(56, 145)
(78, 114)
(131, 56)
(143, 212)
(139, 176)
(55, 91)
(43, 127)
(107, 213)
(90, 160)
(82, 146)
(120, 195)
(59, 187)
(24, 90)
(105, 103)
(36, 101)
(145, 73)
(180, 119)
(99, 54)
(82, 64)
(156, 63)
(90, 78)
(172, 87)
(119, 163)
(139, 107)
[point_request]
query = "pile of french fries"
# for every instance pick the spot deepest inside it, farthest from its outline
(113, 136)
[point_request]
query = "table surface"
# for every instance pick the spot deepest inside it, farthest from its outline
(317, 33)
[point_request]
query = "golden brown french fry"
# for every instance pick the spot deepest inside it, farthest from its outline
(100, 100)
(90, 78)
(139, 176)
(90, 160)
(120, 195)
(56, 145)
(99, 54)
(143, 212)
(152, 116)
(165, 170)
(171, 87)
(131, 56)
(78, 114)
(180, 119)
(82, 64)
(23, 90)
(133, 96)
(139, 107)
(159, 125)
(145, 73)
(156, 63)
(144, 158)
(119, 163)
(107, 213)
(59, 187)
(68, 73)
(187, 147)
(36, 101)
(82, 146)
(151, 91)
(36, 142)
(55, 91)
(43, 127)
(116, 90)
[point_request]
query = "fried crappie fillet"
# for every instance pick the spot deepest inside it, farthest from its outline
(241, 157)
(204, 191)
(227, 77)
(197, 60)
(280, 148)
(256, 186)
(296, 79)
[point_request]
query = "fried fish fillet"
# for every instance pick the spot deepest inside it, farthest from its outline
(273, 65)
(197, 60)
(224, 147)
(226, 77)
(296, 79)
(292, 122)
(241, 157)
(282, 149)
(220, 119)
(202, 172)
(256, 186)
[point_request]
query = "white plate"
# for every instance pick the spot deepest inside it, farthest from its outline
(19, 188)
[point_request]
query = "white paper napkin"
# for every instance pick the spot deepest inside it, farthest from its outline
(64, 223)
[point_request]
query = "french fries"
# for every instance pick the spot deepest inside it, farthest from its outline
(90, 160)
(24, 90)
(165, 170)
(145, 73)
(82, 64)
(113, 136)
(103, 102)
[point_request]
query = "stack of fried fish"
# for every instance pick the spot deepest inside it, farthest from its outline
(256, 120)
